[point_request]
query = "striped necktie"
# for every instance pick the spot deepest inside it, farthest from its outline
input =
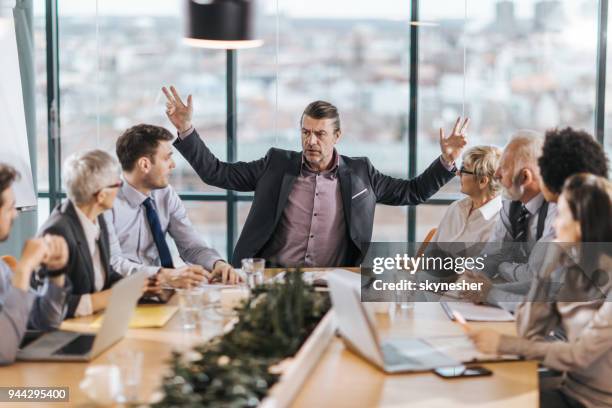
(520, 221)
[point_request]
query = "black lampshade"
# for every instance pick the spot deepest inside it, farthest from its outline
(224, 24)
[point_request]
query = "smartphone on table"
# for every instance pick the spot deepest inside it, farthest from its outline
(462, 371)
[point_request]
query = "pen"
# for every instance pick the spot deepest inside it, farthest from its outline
(460, 319)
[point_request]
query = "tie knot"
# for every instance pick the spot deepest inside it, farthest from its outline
(148, 202)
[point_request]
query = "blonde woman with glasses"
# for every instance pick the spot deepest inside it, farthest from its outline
(471, 219)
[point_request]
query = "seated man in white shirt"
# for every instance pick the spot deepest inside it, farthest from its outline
(147, 207)
(471, 220)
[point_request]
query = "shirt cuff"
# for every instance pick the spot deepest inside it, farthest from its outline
(211, 264)
(183, 135)
(449, 167)
(85, 308)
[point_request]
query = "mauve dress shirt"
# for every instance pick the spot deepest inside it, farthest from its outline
(312, 229)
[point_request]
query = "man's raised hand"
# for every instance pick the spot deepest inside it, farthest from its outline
(177, 111)
(452, 145)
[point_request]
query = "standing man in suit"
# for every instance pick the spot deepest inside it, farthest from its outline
(20, 306)
(315, 207)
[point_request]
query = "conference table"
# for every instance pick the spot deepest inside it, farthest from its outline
(340, 379)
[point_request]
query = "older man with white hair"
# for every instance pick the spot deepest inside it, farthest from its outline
(526, 218)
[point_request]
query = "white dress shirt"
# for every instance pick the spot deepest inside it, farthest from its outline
(92, 234)
(131, 242)
(459, 226)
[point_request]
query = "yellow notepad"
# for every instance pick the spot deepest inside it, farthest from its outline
(146, 316)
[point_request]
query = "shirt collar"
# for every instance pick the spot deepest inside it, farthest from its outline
(132, 196)
(335, 159)
(533, 205)
(91, 229)
(490, 209)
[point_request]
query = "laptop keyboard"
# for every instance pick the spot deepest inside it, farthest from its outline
(394, 357)
(79, 346)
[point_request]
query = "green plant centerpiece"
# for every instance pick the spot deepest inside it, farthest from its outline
(238, 368)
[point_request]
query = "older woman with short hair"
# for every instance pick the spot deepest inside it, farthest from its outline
(92, 180)
(471, 219)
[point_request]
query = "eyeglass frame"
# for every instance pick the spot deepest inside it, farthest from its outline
(118, 184)
(462, 170)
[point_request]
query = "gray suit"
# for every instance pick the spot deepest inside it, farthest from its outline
(19, 309)
(272, 178)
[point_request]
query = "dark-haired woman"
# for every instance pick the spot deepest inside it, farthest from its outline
(581, 305)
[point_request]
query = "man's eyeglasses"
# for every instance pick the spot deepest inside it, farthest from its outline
(118, 184)
(462, 170)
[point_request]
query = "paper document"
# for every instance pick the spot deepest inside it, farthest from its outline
(462, 349)
(477, 313)
(146, 316)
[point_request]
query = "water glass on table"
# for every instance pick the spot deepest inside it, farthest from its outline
(253, 269)
(190, 305)
(129, 363)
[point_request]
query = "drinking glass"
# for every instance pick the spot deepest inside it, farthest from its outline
(253, 268)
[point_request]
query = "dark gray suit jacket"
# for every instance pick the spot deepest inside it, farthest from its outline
(272, 178)
(64, 221)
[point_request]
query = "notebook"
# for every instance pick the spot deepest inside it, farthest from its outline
(477, 313)
(146, 316)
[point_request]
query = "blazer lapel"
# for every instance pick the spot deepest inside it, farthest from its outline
(286, 187)
(104, 250)
(344, 177)
(79, 235)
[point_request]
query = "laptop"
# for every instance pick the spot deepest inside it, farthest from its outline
(358, 332)
(64, 345)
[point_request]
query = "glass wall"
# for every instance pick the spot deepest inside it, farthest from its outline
(506, 64)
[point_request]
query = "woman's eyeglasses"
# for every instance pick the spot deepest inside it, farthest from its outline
(462, 170)
(118, 184)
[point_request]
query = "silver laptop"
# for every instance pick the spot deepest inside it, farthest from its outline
(359, 334)
(72, 346)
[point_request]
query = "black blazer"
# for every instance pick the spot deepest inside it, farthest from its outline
(272, 178)
(65, 222)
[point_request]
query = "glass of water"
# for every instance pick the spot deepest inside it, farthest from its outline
(130, 368)
(253, 268)
(190, 303)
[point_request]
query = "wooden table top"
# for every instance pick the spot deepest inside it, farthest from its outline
(340, 379)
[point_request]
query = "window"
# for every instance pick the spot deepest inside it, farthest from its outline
(508, 66)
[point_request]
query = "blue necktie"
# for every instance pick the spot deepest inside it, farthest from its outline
(158, 234)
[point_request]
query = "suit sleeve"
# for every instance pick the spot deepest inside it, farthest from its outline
(239, 176)
(70, 270)
(49, 308)
(393, 191)
(15, 306)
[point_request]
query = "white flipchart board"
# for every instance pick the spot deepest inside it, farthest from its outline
(13, 135)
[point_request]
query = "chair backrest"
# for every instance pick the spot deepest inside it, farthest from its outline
(426, 241)
(10, 260)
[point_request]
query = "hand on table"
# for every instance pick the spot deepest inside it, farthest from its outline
(476, 296)
(225, 273)
(485, 340)
(183, 277)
